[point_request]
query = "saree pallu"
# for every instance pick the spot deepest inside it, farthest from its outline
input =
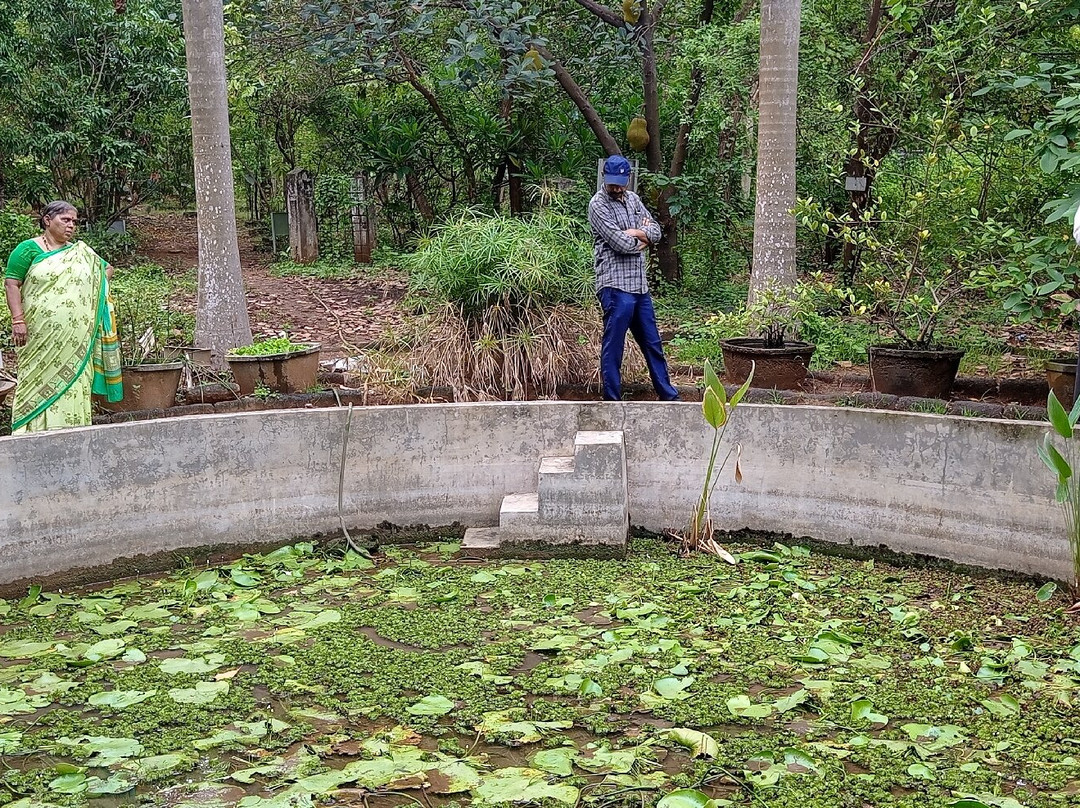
(72, 349)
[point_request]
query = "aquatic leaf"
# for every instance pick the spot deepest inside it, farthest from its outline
(1046, 591)
(558, 761)
(606, 760)
(202, 693)
(119, 699)
(920, 771)
(700, 744)
(14, 702)
(788, 703)
(25, 649)
(863, 710)
(459, 777)
(10, 741)
(798, 762)
(432, 705)
(105, 649)
(743, 707)
(103, 750)
(686, 798)
(198, 666)
(118, 783)
(1003, 706)
(32, 595)
(248, 776)
(134, 656)
(288, 799)
(243, 578)
(115, 627)
(74, 783)
(483, 577)
(671, 687)
(504, 723)
(522, 785)
(158, 765)
(933, 738)
(560, 642)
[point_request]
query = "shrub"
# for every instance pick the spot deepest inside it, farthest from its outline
(14, 228)
(507, 312)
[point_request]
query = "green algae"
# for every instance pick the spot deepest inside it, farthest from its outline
(824, 681)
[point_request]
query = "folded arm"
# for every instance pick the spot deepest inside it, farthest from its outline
(613, 235)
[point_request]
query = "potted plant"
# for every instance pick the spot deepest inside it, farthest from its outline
(280, 365)
(1040, 279)
(150, 379)
(776, 313)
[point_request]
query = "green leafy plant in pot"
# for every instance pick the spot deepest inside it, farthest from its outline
(150, 381)
(1040, 281)
(778, 360)
(279, 365)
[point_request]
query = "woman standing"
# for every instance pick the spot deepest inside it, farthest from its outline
(63, 326)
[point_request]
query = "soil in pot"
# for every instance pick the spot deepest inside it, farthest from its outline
(1061, 378)
(903, 371)
(292, 372)
(774, 368)
(147, 387)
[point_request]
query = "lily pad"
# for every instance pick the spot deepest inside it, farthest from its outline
(202, 693)
(432, 705)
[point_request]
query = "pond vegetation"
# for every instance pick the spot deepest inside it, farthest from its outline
(420, 678)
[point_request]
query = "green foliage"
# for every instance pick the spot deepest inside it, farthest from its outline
(86, 99)
(148, 313)
(1065, 463)
(476, 261)
(269, 347)
(717, 410)
(15, 227)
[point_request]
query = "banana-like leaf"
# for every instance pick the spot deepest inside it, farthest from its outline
(1059, 419)
(735, 399)
(715, 412)
(712, 382)
(1060, 464)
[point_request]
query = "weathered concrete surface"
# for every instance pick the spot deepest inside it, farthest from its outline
(970, 490)
(580, 506)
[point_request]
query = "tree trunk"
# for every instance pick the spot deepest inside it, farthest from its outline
(221, 319)
(774, 222)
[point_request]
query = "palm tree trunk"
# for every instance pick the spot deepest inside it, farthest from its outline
(221, 320)
(774, 222)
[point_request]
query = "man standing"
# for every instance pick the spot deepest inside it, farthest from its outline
(622, 229)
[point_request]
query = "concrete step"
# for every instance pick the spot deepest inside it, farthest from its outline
(481, 541)
(519, 511)
(599, 455)
(556, 465)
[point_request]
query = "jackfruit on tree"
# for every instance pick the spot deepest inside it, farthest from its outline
(532, 58)
(631, 10)
(637, 133)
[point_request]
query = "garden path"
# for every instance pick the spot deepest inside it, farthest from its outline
(358, 311)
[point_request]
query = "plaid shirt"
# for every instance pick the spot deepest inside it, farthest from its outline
(620, 263)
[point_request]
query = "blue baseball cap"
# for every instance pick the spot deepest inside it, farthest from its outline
(617, 170)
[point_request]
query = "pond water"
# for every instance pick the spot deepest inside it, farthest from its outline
(303, 676)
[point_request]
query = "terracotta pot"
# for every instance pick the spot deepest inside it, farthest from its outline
(903, 371)
(774, 368)
(195, 356)
(292, 372)
(1061, 378)
(147, 387)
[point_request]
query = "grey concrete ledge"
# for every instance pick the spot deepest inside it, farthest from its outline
(970, 490)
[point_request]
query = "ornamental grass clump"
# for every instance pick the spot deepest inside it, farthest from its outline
(508, 305)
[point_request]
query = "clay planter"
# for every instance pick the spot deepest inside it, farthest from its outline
(292, 372)
(774, 368)
(1061, 378)
(147, 387)
(905, 372)
(195, 356)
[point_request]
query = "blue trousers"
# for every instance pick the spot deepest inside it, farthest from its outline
(626, 311)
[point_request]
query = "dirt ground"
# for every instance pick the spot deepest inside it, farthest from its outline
(342, 314)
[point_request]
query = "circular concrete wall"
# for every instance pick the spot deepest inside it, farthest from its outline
(969, 490)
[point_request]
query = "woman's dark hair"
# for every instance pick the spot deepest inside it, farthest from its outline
(55, 209)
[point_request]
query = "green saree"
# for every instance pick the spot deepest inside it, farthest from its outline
(72, 349)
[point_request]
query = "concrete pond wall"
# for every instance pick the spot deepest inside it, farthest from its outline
(969, 490)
